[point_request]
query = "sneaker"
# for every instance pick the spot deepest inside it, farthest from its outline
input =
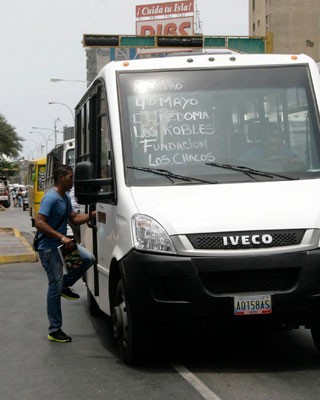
(69, 294)
(59, 336)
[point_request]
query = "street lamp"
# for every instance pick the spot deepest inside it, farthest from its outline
(37, 146)
(55, 102)
(44, 138)
(55, 131)
(38, 127)
(68, 80)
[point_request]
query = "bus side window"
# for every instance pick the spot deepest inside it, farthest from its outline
(105, 141)
(33, 175)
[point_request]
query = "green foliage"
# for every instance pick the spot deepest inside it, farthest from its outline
(8, 168)
(10, 142)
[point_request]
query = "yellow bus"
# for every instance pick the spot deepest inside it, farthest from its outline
(35, 184)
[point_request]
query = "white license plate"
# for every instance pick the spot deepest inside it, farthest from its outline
(4, 198)
(252, 305)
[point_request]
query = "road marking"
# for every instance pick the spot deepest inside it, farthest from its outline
(200, 387)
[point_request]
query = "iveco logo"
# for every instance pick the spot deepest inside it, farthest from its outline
(247, 240)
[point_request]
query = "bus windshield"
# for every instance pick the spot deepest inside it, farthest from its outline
(70, 157)
(202, 123)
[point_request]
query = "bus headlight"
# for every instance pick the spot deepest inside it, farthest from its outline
(149, 235)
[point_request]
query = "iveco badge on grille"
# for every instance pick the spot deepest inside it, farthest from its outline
(247, 240)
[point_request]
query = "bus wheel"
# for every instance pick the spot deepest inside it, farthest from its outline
(130, 332)
(315, 333)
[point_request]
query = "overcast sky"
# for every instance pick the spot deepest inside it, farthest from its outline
(41, 39)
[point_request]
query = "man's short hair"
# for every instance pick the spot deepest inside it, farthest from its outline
(61, 170)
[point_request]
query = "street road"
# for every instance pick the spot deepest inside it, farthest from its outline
(206, 365)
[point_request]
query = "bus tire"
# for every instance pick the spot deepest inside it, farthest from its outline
(134, 336)
(315, 333)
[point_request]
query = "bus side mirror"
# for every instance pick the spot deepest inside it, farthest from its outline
(87, 188)
(83, 173)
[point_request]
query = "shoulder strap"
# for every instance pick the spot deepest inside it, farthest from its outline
(65, 215)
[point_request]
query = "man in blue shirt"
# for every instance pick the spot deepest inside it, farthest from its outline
(52, 219)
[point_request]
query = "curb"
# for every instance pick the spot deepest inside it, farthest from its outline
(15, 248)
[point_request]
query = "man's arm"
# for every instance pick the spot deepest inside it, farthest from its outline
(41, 223)
(79, 219)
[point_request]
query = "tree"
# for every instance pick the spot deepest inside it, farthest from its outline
(8, 168)
(10, 142)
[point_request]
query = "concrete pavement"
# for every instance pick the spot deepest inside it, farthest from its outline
(14, 247)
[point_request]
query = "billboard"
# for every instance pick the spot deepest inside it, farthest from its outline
(168, 27)
(175, 18)
(164, 9)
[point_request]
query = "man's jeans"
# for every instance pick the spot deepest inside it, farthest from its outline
(51, 262)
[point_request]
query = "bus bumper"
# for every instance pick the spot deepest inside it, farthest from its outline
(174, 287)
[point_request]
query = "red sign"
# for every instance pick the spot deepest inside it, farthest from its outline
(177, 20)
(163, 9)
(166, 27)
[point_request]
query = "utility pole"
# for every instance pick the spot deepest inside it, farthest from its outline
(55, 131)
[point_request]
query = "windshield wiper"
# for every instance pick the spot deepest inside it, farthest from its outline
(170, 175)
(249, 171)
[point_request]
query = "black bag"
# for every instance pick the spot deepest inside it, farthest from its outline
(36, 241)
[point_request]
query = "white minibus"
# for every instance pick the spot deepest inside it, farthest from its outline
(204, 171)
(62, 153)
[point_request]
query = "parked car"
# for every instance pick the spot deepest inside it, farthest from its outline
(4, 195)
(25, 201)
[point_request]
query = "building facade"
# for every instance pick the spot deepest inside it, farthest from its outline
(293, 26)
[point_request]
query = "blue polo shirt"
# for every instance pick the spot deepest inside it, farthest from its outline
(54, 207)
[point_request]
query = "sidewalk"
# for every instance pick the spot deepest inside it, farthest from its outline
(15, 248)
